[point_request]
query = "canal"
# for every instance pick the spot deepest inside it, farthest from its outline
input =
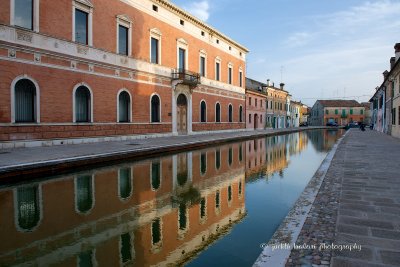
(209, 207)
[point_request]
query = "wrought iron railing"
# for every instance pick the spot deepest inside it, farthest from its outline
(187, 77)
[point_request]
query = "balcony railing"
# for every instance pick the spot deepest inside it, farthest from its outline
(187, 77)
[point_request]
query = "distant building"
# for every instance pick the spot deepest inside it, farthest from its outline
(368, 112)
(295, 113)
(256, 104)
(278, 100)
(385, 103)
(395, 76)
(378, 109)
(340, 111)
(304, 114)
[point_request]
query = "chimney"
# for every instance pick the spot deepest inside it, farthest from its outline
(282, 85)
(385, 74)
(397, 51)
(392, 62)
(268, 82)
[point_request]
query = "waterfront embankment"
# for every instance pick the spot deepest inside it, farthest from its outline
(30, 162)
(355, 217)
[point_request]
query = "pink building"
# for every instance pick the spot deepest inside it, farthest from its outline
(256, 104)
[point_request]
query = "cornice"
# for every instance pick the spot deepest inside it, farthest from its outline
(180, 12)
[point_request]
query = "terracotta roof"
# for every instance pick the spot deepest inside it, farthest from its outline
(254, 85)
(366, 105)
(339, 103)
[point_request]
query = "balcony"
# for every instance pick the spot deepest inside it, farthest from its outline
(186, 77)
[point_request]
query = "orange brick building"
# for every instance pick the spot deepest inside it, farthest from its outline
(99, 68)
(341, 112)
(256, 104)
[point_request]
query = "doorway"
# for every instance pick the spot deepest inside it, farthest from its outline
(255, 121)
(181, 110)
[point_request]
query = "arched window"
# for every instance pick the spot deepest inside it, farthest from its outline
(125, 183)
(240, 114)
(229, 193)
(203, 163)
(182, 214)
(203, 111)
(87, 258)
(217, 159)
(230, 113)
(182, 177)
(124, 107)
(155, 109)
(203, 210)
(218, 112)
(126, 248)
(217, 200)
(230, 156)
(25, 101)
(84, 193)
(28, 207)
(83, 107)
(155, 175)
(156, 232)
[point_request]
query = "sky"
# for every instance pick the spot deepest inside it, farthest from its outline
(320, 49)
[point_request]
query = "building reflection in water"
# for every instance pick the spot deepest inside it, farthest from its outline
(162, 211)
(155, 212)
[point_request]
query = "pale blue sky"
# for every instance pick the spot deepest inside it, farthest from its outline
(328, 48)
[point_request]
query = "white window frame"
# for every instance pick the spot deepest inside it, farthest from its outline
(73, 103)
(205, 102)
(36, 14)
(156, 34)
(230, 68)
(85, 6)
(159, 97)
(16, 210)
(119, 183)
(215, 159)
(205, 152)
(215, 113)
(203, 54)
(130, 104)
(125, 21)
(217, 60)
(182, 43)
(12, 93)
(241, 114)
(151, 174)
(92, 176)
(240, 78)
(230, 105)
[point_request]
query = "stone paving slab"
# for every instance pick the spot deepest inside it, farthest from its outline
(18, 162)
(358, 203)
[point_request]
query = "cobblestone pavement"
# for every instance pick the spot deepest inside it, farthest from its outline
(19, 159)
(358, 203)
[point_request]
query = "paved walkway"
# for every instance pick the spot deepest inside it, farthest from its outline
(21, 161)
(358, 203)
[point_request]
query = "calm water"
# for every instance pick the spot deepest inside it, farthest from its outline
(210, 207)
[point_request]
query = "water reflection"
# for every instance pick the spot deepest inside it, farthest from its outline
(162, 211)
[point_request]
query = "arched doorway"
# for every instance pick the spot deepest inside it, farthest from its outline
(255, 121)
(181, 110)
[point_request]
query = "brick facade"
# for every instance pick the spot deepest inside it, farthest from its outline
(49, 58)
